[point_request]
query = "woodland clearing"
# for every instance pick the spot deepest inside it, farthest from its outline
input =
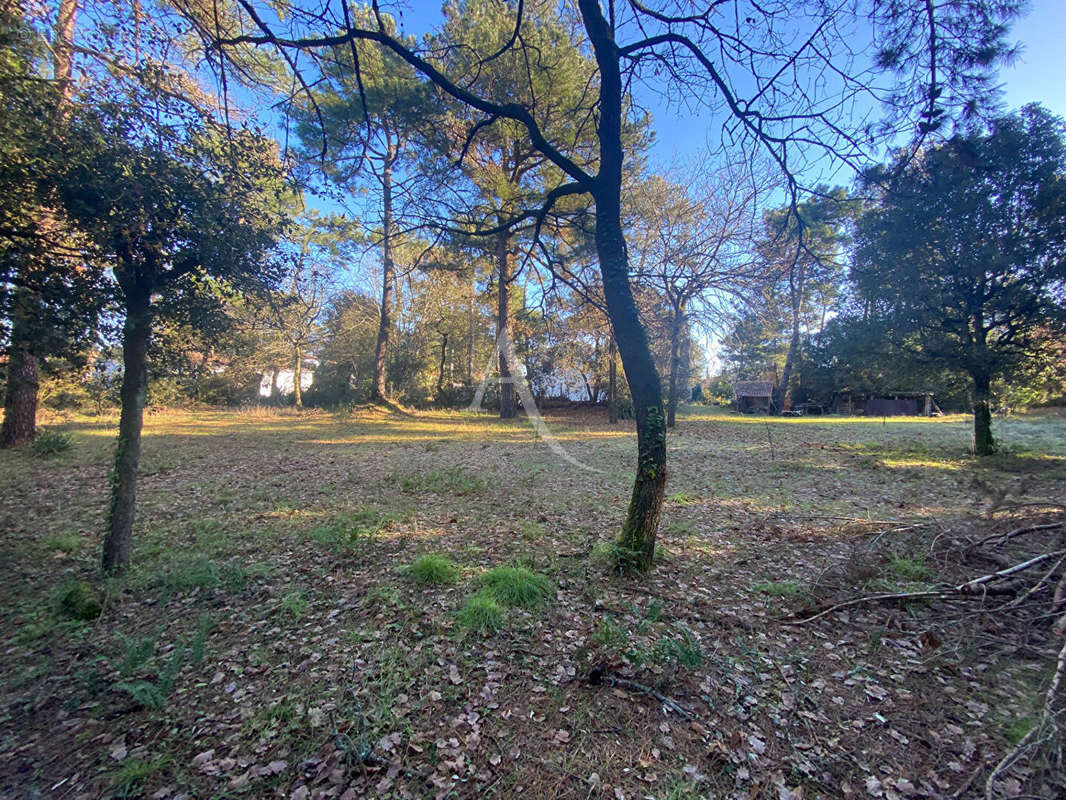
(317, 608)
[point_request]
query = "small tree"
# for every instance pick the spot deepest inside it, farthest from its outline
(965, 257)
(165, 199)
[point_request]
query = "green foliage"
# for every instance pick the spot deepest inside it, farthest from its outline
(449, 481)
(531, 531)
(432, 569)
(517, 586)
(480, 613)
(787, 589)
(349, 530)
(198, 573)
(295, 603)
(684, 651)
(50, 442)
(904, 568)
(81, 601)
(139, 657)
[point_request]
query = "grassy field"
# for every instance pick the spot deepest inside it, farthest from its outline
(390, 605)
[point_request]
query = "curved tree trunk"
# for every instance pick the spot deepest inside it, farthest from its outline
(983, 442)
(135, 335)
(508, 403)
(637, 538)
(387, 277)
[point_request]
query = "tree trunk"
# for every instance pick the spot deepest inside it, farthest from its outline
(783, 395)
(636, 541)
(135, 335)
(20, 403)
(297, 379)
(471, 317)
(612, 383)
(23, 373)
(983, 443)
(443, 362)
(675, 369)
(377, 390)
(508, 405)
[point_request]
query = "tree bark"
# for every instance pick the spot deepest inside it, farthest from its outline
(636, 542)
(508, 404)
(443, 362)
(297, 379)
(612, 382)
(470, 327)
(675, 369)
(377, 391)
(135, 336)
(983, 442)
(23, 373)
(20, 402)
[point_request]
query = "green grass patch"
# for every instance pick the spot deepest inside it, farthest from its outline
(48, 443)
(518, 586)
(449, 481)
(902, 568)
(480, 613)
(432, 569)
(786, 589)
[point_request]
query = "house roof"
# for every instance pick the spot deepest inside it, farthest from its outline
(754, 389)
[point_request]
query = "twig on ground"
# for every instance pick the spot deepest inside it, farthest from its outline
(672, 705)
(1005, 537)
(971, 585)
(1048, 717)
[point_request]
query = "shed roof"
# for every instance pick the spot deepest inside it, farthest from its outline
(754, 389)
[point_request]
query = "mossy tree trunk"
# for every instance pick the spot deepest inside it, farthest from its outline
(135, 338)
(637, 539)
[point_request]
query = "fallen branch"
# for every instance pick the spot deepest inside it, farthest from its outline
(970, 586)
(963, 589)
(876, 598)
(669, 704)
(1006, 537)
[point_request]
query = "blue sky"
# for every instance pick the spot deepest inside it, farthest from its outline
(1038, 75)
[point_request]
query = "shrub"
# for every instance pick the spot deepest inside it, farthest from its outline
(81, 601)
(517, 586)
(50, 443)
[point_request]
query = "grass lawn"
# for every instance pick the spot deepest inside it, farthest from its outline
(389, 605)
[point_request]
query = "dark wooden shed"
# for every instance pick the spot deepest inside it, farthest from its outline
(750, 396)
(886, 404)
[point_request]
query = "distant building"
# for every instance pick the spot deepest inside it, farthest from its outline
(282, 382)
(751, 396)
(886, 404)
